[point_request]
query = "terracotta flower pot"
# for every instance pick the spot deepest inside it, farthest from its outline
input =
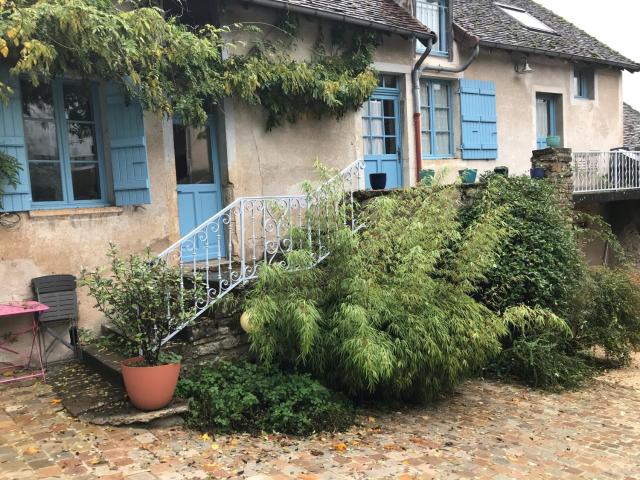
(150, 388)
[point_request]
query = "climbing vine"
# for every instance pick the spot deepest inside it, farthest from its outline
(179, 70)
(9, 173)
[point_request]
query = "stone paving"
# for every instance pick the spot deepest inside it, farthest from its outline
(487, 430)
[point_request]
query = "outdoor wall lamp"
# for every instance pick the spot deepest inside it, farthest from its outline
(522, 66)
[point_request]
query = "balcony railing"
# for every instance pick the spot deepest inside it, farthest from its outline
(606, 171)
(228, 249)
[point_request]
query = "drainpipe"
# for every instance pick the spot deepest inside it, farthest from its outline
(415, 83)
(461, 35)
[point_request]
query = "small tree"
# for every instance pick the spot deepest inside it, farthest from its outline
(142, 299)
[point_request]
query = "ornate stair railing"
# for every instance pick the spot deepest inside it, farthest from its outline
(595, 172)
(228, 249)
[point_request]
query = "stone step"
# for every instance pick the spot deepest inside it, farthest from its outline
(89, 396)
(103, 362)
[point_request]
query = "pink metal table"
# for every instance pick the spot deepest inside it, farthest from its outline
(13, 309)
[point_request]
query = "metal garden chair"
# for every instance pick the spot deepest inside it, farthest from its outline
(59, 293)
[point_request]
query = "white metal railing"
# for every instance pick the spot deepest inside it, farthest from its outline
(228, 249)
(606, 171)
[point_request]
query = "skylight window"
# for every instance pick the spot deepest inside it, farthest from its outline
(526, 18)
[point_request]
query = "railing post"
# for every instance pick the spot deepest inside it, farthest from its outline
(242, 245)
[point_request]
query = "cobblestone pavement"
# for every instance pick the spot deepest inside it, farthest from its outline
(486, 430)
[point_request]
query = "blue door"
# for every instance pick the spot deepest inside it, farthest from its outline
(546, 118)
(199, 192)
(381, 134)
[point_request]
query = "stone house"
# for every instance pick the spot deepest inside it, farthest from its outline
(495, 82)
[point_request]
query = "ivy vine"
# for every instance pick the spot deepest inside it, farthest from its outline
(179, 70)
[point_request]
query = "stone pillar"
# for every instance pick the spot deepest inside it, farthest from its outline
(557, 167)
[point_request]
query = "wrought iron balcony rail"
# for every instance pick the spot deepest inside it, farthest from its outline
(229, 248)
(606, 171)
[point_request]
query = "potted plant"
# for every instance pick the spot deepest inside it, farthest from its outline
(553, 141)
(142, 299)
(378, 180)
(427, 176)
(537, 173)
(468, 175)
(504, 171)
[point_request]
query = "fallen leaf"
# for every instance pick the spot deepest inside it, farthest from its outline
(215, 446)
(8, 373)
(341, 447)
(372, 419)
(205, 436)
(55, 401)
(30, 450)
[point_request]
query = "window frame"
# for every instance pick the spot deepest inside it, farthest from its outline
(583, 92)
(61, 125)
(432, 119)
(443, 35)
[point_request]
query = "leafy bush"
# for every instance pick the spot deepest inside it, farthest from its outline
(541, 263)
(246, 397)
(142, 298)
(389, 313)
(537, 352)
(609, 312)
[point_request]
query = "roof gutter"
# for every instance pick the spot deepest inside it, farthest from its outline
(568, 56)
(316, 12)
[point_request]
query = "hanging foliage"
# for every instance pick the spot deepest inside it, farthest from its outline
(176, 69)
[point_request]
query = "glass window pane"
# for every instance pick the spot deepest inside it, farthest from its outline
(46, 182)
(377, 127)
(390, 81)
(426, 144)
(424, 94)
(41, 139)
(429, 13)
(375, 108)
(389, 126)
(367, 146)
(377, 146)
(199, 156)
(390, 146)
(389, 108)
(37, 102)
(86, 181)
(82, 142)
(77, 102)
(425, 119)
(440, 95)
(442, 120)
(442, 143)
(366, 127)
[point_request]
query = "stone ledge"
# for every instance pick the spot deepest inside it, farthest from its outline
(76, 212)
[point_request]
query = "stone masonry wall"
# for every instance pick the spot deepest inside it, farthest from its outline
(557, 165)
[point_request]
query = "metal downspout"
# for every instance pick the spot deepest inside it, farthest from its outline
(415, 83)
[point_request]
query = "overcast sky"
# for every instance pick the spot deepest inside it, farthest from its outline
(614, 22)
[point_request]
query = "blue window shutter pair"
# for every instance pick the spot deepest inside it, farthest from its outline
(128, 150)
(12, 143)
(479, 122)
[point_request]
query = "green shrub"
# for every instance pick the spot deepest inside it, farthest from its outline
(609, 312)
(390, 312)
(537, 351)
(541, 263)
(245, 397)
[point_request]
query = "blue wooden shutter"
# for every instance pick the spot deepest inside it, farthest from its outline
(128, 149)
(12, 142)
(479, 123)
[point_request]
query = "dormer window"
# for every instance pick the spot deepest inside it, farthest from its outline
(525, 18)
(434, 14)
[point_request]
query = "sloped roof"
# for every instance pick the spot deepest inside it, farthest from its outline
(380, 14)
(631, 127)
(496, 28)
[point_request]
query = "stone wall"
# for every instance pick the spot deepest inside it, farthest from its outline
(557, 165)
(217, 336)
